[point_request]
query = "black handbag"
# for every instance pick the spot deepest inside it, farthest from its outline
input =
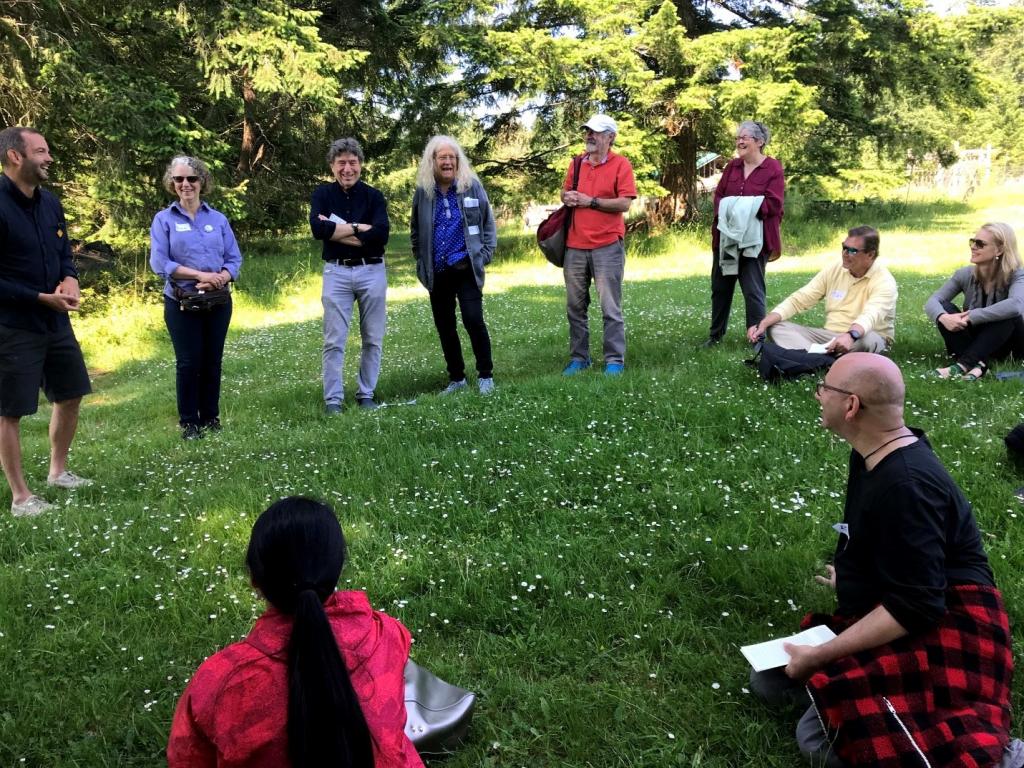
(202, 301)
(552, 232)
(437, 714)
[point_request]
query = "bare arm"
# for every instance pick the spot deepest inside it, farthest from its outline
(877, 628)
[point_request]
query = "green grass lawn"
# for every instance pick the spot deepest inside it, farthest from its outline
(587, 554)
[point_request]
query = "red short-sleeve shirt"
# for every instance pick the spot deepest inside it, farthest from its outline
(611, 179)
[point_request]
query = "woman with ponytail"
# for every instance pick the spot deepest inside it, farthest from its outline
(318, 682)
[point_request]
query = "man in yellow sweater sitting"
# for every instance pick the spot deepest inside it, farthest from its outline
(860, 304)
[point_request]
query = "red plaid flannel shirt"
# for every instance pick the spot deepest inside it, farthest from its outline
(937, 699)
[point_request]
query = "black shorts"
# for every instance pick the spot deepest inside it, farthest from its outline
(29, 361)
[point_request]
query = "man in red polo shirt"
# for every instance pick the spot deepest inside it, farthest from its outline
(594, 246)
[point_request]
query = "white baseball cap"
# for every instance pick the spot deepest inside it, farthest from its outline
(600, 123)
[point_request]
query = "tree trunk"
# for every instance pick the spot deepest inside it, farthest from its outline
(679, 177)
(250, 150)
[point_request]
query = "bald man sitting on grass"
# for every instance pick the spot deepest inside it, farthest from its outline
(919, 671)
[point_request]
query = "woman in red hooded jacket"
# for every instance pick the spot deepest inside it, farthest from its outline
(319, 679)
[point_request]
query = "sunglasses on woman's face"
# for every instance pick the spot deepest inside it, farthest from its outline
(182, 179)
(976, 243)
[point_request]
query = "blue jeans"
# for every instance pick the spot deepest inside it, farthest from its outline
(198, 339)
(367, 285)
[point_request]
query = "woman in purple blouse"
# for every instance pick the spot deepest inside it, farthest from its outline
(195, 251)
(751, 173)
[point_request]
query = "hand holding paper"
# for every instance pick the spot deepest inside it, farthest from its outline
(771, 654)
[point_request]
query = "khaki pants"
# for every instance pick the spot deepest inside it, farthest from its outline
(794, 336)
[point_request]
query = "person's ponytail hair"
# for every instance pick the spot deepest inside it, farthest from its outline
(295, 558)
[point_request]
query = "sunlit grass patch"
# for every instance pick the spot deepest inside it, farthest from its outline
(579, 551)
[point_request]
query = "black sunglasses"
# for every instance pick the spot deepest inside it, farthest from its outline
(180, 179)
(976, 243)
(851, 251)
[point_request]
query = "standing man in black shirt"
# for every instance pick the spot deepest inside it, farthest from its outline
(919, 671)
(38, 288)
(351, 218)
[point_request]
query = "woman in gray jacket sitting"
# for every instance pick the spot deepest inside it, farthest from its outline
(991, 325)
(453, 237)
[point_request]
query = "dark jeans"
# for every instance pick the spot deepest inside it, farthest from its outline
(751, 279)
(459, 285)
(985, 342)
(198, 339)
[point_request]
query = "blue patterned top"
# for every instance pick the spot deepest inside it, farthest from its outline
(449, 238)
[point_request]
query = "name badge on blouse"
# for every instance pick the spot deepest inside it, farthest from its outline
(470, 202)
(208, 228)
(838, 295)
(183, 226)
(473, 229)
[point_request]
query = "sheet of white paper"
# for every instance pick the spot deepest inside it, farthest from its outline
(337, 219)
(818, 349)
(769, 655)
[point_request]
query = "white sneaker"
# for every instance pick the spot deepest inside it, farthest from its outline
(68, 480)
(486, 386)
(30, 507)
(453, 386)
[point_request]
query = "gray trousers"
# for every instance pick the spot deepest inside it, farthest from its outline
(780, 691)
(794, 336)
(751, 280)
(605, 265)
(366, 284)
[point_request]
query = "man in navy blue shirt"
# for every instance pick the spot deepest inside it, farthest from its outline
(351, 219)
(38, 288)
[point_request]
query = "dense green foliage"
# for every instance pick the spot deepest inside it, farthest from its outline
(259, 87)
(587, 554)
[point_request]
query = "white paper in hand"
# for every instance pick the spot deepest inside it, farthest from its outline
(769, 655)
(336, 219)
(818, 349)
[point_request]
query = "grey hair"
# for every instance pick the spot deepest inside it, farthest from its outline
(197, 165)
(758, 130)
(346, 146)
(14, 138)
(464, 173)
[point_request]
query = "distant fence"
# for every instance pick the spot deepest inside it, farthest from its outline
(972, 169)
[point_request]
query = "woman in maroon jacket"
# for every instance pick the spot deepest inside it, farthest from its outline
(750, 173)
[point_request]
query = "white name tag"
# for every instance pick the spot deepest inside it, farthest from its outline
(838, 295)
(471, 202)
(473, 229)
(182, 227)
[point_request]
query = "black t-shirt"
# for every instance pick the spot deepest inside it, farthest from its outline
(910, 535)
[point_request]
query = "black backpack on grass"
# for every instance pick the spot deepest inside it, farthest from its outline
(776, 364)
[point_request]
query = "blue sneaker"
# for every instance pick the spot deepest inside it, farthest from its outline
(575, 366)
(614, 369)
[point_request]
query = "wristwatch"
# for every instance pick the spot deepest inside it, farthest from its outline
(355, 228)
(593, 203)
(855, 334)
